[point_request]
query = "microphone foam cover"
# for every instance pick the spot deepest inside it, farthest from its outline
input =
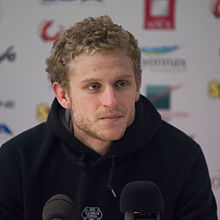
(58, 206)
(141, 196)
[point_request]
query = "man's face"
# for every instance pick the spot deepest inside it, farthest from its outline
(103, 93)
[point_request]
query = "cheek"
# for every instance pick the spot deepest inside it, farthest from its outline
(84, 104)
(130, 98)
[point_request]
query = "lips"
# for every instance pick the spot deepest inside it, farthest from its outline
(111, 117)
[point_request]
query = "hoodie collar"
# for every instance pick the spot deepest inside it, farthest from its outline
(138, 134)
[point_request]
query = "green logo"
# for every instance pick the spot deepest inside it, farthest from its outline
(159, 96)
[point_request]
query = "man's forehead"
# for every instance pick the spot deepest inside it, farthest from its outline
(97, 60)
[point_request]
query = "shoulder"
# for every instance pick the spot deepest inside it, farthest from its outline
(28, 140)
(173, 135)
(173, 142)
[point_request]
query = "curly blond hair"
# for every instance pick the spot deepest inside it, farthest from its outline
(90, 36)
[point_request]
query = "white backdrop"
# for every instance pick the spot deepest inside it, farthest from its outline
(180, 43)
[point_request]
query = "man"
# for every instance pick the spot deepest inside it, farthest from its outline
(100, 135)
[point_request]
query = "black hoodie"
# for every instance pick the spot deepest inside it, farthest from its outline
(48, 160)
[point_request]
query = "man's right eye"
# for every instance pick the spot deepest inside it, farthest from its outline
(94, 86)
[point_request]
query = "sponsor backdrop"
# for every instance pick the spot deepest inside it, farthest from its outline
(180, 44)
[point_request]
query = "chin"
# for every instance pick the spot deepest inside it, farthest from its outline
(114, 136)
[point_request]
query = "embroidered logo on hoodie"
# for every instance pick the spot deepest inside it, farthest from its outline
(91, 213)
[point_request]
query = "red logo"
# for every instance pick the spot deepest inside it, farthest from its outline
(216, 8)
(159, 14)
(45, 30)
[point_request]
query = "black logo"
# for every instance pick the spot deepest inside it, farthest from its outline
(91, 213)
(8, 55)
(9, 104)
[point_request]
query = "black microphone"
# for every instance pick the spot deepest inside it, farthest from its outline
(58, 207)
(141, 200)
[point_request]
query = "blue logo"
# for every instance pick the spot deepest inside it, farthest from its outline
(159, 50)
(4, 129)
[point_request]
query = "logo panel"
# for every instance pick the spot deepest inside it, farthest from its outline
(159, 14)
(7, 104)
(160, 59)
(161, 98)
(55, 1)
(214, 89)
(42, 112)
(48, 31)
(5, 133)
(8, 55)
(91, 213)
(216, 8)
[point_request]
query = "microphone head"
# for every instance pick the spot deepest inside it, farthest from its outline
(141, 197)
(59, 207)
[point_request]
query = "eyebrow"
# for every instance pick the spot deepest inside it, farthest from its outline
(91, 80)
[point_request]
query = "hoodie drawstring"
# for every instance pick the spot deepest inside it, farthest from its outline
(110, 177)
(82, 161)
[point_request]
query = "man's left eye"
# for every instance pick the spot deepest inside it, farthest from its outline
(121, 84)
(94, 86)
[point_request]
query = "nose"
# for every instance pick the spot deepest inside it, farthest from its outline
(109, 98)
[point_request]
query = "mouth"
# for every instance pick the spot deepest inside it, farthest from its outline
(111, 117)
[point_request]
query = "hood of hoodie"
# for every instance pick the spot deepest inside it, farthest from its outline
(137, 135)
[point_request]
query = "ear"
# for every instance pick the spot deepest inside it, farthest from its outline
(137, 95)
(61, 95)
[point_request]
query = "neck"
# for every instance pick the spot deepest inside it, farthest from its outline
(99, 146)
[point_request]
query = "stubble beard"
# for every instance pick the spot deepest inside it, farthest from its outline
(83, 127)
